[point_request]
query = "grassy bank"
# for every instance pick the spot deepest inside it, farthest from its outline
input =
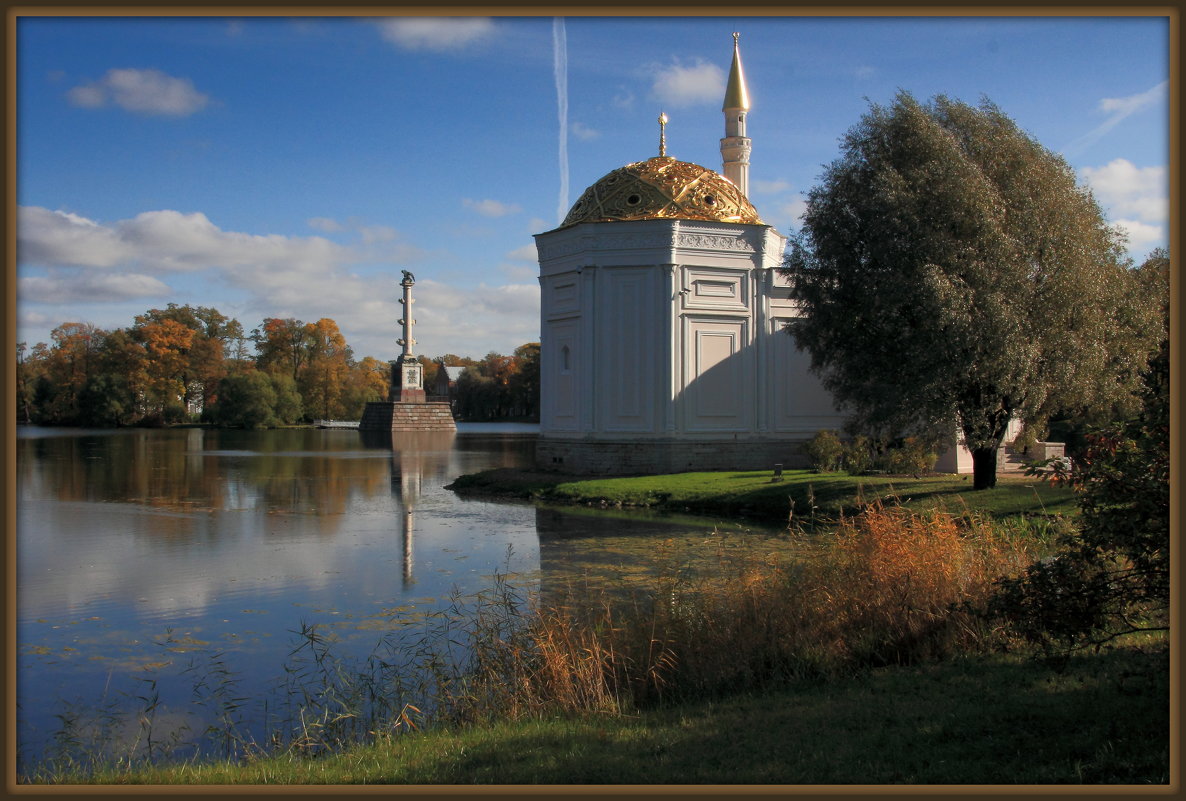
(994, 720)
(802, 496)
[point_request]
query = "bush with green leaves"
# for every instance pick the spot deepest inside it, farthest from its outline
(825, 451)
(912, 455)
(859, 455)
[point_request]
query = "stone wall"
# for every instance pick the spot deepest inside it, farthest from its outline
(389, 416)
(603, 457)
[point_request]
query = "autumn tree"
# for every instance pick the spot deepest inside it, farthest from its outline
(281, 344)
(166, 364)
(30, 365)
(366, 381)
(525, 381)
(322, 379)
(500, 386)
(214, 334)
(68, 365)
(953, 276)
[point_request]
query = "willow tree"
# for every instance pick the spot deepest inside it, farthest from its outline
(954, 276)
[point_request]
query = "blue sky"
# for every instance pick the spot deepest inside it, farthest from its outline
(292, 167)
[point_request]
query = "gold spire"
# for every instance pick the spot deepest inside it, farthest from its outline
(735, 93)
(662, 134)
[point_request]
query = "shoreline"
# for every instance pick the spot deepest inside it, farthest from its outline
(800, 496)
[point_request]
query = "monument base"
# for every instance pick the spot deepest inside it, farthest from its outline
(397, 416)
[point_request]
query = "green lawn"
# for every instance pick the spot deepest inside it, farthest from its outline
(756, 495)
(995, 720)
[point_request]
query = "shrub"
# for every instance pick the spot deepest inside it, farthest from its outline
(859, 455)
(913, 455)
(824, 451)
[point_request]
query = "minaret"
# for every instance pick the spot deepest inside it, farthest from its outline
(735, 146)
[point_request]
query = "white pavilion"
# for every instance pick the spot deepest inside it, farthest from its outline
(662, 322)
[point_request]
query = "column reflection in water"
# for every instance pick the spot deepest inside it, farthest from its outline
(414, 455)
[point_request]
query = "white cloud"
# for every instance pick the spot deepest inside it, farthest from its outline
(377, 233)
(794, 210)
(66, 259)
(1118, 109)
(491, 208)
(147, 91)
(367, 233)
(1130, 191)
(525, 253)
(169, 241)
(583, 132)
(770, 187)
(35, 319)
(90, 287)
(325, 224)
(678, 85)
(1142, 237)
(438, 34)
(623, 99)
(47, 237)
(1125, 106)
(450, 317)
(518, 273)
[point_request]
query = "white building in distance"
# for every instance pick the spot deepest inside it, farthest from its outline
(662, 323)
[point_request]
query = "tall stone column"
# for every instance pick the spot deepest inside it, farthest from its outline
(407, 374)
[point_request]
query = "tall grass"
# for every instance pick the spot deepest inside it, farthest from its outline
(891, 586)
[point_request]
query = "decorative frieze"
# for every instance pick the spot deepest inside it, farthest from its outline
(693, 241)
(558, 248)
(552, 247)
(633, 241)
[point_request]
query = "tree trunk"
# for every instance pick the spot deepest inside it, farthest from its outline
(984, 468)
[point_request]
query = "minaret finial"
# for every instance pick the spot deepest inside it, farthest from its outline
(736, 36)
(662, 134)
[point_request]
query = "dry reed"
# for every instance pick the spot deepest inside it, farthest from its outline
(892, 586)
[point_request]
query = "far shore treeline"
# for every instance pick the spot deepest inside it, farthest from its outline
(188, 364)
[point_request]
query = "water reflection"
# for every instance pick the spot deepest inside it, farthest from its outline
(139, 551)
(414, 455)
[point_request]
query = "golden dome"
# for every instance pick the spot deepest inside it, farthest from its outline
(662, 188)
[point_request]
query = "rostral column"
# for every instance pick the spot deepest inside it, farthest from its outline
(407, 374)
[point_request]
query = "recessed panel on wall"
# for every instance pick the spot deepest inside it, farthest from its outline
(562, 294)
(717, 395)
(562, 362)
(800, 402)
(626, 369)
(718, 290)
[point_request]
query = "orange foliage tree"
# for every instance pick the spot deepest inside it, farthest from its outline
(322, 380)
(163, 368)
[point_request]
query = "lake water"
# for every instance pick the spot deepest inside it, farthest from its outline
(144, 553)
